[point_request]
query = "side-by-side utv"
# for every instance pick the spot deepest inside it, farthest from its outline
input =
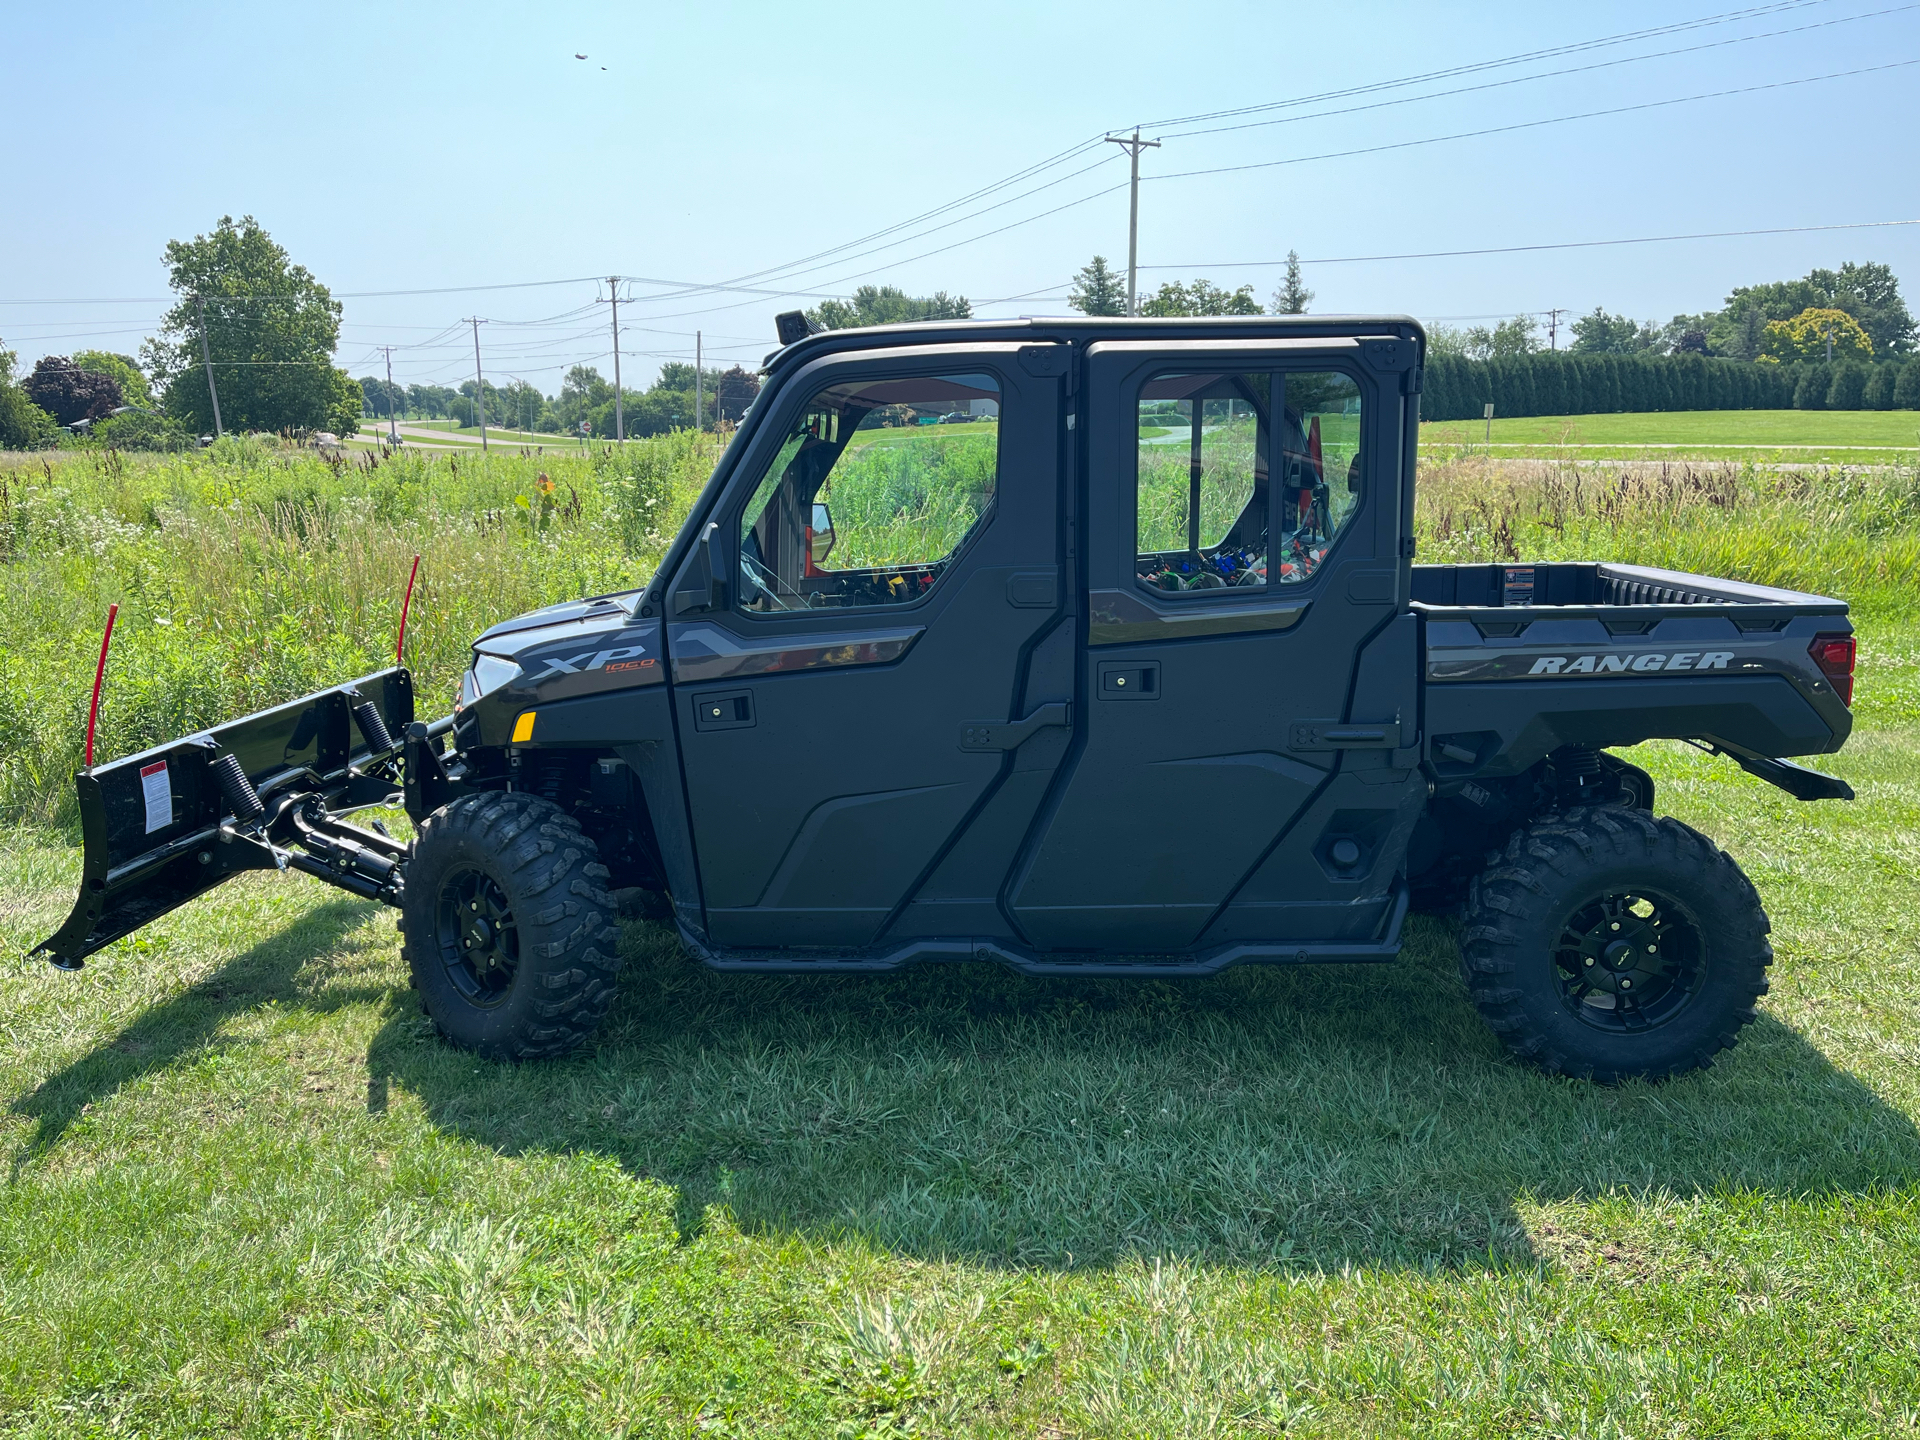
(1090, 647)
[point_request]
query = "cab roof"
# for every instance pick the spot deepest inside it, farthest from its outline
(1086, 329)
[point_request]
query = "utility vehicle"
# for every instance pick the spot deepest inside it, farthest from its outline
(1090, 647)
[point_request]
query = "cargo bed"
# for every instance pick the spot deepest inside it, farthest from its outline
(1521, 659)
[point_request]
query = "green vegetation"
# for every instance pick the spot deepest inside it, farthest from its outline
(1202, 297)
(1864, 436)
(124, 369)
(249, 573)
(901, 495)
(1562, 383)
(1097, 289)
(270, 328)
(23, 424)
(249, 1192)
(888, 305)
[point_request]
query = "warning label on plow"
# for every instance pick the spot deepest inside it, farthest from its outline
(159, 795)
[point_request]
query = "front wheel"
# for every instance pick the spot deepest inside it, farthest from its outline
(1611, 944)
(509, 927)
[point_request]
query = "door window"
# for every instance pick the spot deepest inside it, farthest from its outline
(875, 489)
(1212, 510)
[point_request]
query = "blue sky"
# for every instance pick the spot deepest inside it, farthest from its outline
(419, 146)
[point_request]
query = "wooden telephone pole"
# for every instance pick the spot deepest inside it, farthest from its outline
(1133, 145)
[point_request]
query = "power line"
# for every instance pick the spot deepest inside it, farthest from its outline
(1534, 124)
(1519, 249)
(1624, 38)
(803, 265)
(1542, 75)
(677, 289)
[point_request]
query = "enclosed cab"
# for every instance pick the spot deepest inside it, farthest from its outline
(1087, 647)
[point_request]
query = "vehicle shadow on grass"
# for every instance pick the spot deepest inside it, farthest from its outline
(1314, 1116)
(271, 972)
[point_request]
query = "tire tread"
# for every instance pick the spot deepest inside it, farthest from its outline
(1515, 892)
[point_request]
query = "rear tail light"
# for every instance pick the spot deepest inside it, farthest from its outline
(1834, 655)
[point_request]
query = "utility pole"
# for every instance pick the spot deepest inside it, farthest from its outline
(1553, 328)
(479, 386)
(1133, 147)
(206, 358)
(1829, 343)
(699, 383)
(393, 425)
(619, 410)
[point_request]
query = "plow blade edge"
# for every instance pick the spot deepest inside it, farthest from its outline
(160, 827)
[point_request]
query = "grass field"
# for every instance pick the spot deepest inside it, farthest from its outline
(1873, 437)
(248, 1192)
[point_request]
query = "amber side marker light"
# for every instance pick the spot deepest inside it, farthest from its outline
(1835, 654)
(523, 727)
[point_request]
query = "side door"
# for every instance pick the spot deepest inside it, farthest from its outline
(849, 701)
(1243, 523)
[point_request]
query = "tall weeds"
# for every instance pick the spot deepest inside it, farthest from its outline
(248, 574)
(1839, 531)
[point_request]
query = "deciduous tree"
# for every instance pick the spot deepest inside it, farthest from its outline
(887, 305)
(1604, 334)
(734, 392)
(271, 328)
(23, 424)
(70, 394)
(1868, 292)
(1810, 334)
(1202, 297)
(123, 368)
(1518, 336)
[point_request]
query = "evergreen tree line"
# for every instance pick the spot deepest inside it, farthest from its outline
(1562, 383)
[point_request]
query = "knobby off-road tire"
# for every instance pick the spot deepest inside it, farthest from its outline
(509, 927)
(1579, 903)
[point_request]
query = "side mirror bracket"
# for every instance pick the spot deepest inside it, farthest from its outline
(701, 587)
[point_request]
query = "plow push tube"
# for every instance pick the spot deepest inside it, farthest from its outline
(170, 823)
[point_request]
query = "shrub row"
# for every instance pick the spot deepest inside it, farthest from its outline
(1559, 383)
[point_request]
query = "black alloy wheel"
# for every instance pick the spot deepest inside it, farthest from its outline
(1608, 943)
(1629, 961)
(510, 931)
(476, 937)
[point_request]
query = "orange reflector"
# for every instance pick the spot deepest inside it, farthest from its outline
(523, 728)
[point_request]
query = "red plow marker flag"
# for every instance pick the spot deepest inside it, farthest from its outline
(400, 644)
(99, 673)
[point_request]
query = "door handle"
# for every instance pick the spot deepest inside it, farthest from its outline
(1010, 734)
(1335, 735)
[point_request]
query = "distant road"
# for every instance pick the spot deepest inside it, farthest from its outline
(451, 440)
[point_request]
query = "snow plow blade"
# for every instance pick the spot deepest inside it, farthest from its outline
(170, 823)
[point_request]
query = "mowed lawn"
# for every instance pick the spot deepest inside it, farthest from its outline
(1860, 436)
(249, 1192)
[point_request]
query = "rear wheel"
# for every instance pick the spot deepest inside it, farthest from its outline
(1608, 943)
(509, 927)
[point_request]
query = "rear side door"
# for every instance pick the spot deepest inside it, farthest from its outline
(1243, 524)
(890, 551)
